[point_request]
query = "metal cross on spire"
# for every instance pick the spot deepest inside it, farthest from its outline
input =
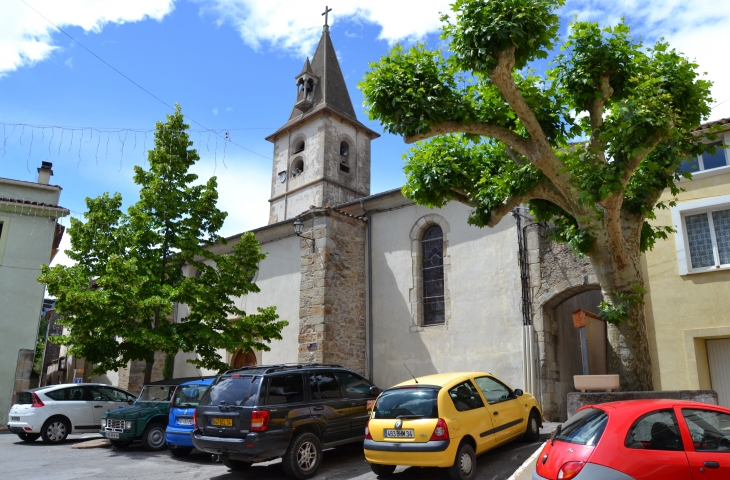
(327, 10)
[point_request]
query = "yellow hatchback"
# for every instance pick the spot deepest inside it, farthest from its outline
(446, 420)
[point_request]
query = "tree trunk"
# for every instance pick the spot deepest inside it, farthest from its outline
(619, 273)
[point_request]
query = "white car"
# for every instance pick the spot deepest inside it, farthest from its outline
(55, 411)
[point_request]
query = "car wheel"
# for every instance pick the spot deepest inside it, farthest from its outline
(303, 456)
(55, 430)
(382, 470)
(465, 463)
(119, 444)
(153, 438)
(180, 451)
(533, 427)
(237, 465)
(29, 437)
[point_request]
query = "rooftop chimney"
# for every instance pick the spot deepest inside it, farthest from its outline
(45, 172)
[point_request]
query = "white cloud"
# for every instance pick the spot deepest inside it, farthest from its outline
(70, 62)
(229, 109)
(215, 111)
(699, 29)
(295, 27)
(27, 38)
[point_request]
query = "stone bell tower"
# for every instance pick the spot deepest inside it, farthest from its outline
(322, 153)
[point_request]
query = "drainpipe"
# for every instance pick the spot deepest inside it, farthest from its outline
(370, 291)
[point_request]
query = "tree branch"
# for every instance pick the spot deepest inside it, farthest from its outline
(544, 190)
(595, 111)
(615, 200)
(505, 135)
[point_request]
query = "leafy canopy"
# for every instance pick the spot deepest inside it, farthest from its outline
(607, 125)
(118, 298)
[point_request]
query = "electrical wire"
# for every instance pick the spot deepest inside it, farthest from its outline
(140, 86)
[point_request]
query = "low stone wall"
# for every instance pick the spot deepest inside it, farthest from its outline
(578, 399)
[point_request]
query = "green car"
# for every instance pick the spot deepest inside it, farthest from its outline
(145, 420)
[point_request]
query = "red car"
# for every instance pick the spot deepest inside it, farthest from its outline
(640, 440)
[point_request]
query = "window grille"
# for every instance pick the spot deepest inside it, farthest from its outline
(432, 269)
(708, 237)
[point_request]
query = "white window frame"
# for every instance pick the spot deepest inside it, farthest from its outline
(702, 173)
(705, 205)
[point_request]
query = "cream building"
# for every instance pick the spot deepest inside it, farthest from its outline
(688, 278)
(29, 238)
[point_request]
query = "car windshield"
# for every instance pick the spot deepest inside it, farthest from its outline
(583, 428)
(236, 389)
(156, 393)
(407, 403)
(188, 395)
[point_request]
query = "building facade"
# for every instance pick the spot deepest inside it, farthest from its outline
(29, 238)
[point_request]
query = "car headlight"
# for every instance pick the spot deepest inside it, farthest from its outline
(103, 423)
(127, 425)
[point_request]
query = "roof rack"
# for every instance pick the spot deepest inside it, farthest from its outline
(283, 366)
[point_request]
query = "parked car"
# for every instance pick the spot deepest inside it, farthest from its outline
(446, 420)
(255, 414)
(55, 411)
(640, 440)
(144, 421)
(180, 423)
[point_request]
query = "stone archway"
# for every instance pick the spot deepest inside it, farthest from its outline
(241, 359)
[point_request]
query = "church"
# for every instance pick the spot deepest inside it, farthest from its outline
(378, 284)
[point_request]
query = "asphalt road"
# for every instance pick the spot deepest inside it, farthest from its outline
(28, 461)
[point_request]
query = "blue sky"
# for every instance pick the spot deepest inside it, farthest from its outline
(230, 64)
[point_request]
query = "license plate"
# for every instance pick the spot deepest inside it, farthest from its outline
(112, 435)
(14, 419)
(222, 422)
(184, 421)
(399, 433)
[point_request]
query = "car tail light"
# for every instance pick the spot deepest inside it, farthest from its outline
(259, 420)
(367, 431)
(36, 401)
(570, 470)
(441, 432)
(195, 419)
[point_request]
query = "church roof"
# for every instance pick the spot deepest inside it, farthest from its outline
(331, 93)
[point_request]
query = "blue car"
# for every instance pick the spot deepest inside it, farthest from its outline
(180, 424)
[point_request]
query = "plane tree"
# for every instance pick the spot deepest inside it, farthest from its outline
(588, 143)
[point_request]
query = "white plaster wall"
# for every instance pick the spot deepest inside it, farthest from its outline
(484, 332)
(278, 279)
(27, 247)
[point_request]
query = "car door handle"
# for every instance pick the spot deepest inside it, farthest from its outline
(712, 464)
(98, 406)
(317, 408)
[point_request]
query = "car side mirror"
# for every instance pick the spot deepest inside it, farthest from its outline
(375, 391)
(518, 392)
(130, 401)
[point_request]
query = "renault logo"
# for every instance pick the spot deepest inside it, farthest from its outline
(398, 424)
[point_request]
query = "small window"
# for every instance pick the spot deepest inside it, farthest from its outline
(297, 168)
(465, 397)
(67, 394)
(107, 394)
(493, 390)
(241, 390)
(285, 389)
(584, 428)
(344, 157)
(299, 148)
(655, 431)
(324, 385)
(708, 238)
(710, 430)
(422, 402)
(706, 161)
(355, 386)
(432, 247)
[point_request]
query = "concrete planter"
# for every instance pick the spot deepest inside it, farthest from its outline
(578, 399)
(596, 382)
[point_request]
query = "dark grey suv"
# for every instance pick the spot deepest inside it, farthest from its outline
(293, 411)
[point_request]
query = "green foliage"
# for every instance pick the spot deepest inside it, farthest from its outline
(40, 346)
(618, 311)
(168, 369)
(117, 299)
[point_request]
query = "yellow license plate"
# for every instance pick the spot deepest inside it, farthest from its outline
(222, 422)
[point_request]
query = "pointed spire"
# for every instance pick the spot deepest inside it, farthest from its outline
(307, 68)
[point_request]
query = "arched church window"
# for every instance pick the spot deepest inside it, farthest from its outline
(299, 147)
(297, 167)
(432, 270)
(344, 157)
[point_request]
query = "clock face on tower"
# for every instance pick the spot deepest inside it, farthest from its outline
(282, 177)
